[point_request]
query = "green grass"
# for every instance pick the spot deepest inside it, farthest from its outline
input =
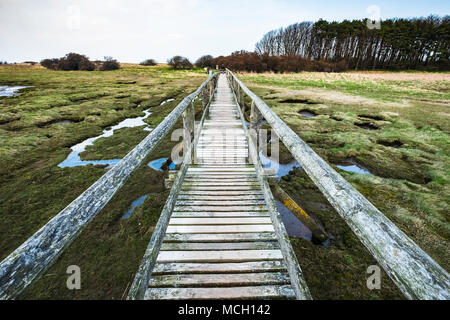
(33, 188)
(410, 184)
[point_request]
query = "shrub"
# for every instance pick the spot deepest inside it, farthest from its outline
(75, 61)
(110, 64)
(204, 61)
(50, 63)
(179, 62)
(148, 62)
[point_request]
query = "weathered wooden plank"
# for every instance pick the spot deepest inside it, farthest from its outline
(228, 267)
(234, 202)
(221, 229)
(203, 246)
(219, 256)
(220, 183)
(220, 197)
(208, 214)
(218, 188)
(219, 237)
(216, 170)
(219, 221)
(220, 208)
(219, 280)
(257, 292)
(221, 193)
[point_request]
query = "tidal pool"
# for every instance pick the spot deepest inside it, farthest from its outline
(279, 169)
(7, 91)
(350, 166)
(74, 160)
(134, 204)
(293, 225)
(158, 163)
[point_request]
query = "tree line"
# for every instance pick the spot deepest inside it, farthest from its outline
(416, 43)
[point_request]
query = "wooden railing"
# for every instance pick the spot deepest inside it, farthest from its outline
(416, 274)
(35, 255)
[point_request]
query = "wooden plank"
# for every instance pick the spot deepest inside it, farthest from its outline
(216, 170)
(208, 246)
(234, 202)
(219, 188)
(221, 193)
(219, 256)
(221, 229)
(207, 214)
(231, 267)
(219, 221)
(219, 280)
(257, 292)
(220, 208)
(220, 183)
(220, 197)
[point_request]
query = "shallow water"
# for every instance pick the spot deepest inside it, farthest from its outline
(293, 226)
(350, 166)
(7, 91)
(166, 101)
(134, 204)
(307, 114)
(74, 160)
(158, 163)
(279, 169)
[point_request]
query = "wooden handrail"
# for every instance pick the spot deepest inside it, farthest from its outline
(29, 261)
(416, 274)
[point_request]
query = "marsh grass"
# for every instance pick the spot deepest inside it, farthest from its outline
(33, 188)
(410, 183)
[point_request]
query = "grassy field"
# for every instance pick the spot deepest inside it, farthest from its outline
(37, 129)
(407, 152)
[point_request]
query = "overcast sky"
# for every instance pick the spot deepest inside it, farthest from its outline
(133, 30)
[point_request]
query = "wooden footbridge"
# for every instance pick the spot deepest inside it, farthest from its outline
(220, 235)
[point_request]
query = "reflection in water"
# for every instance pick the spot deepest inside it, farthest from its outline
(293, 226)
(7, 91)
(279, 169)
(307, 114)
(351, 166)
(74, 160)
(134, 204)
(158, 163)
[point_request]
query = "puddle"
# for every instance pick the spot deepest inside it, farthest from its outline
(166, 101)
(158, 163)
(378, 118)
(304, 101)
(394, 144)
(350, 166)
(293, 226)
(366, 126)
(307, 113)
(134, 204)
(64, 122)
(7, 91)
(74, 160)
(280, 169)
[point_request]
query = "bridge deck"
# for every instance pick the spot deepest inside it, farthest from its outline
(220, 242)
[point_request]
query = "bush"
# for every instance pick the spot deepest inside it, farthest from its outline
(148, 62)
(109, 64)
(204, 61)
(75, 61)
(179, 62)
(50, 63)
